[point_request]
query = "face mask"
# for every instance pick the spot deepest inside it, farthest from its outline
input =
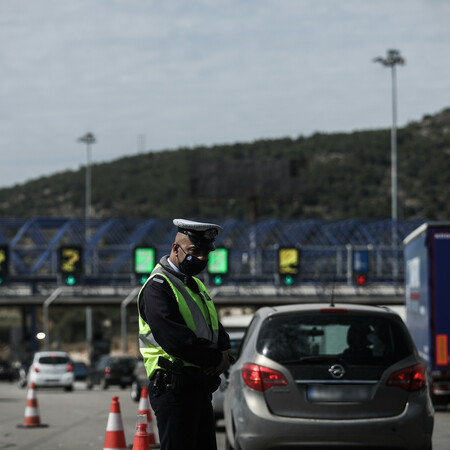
(191, 265)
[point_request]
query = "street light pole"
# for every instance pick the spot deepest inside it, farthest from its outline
(88, 139)
(393, 58)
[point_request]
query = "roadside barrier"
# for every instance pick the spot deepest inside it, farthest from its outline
(115, 435)
(32, 418)
(144, 408)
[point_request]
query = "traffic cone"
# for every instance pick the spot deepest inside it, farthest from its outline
(141, 438)
(32, 418)
(115, 436)
(144, 408)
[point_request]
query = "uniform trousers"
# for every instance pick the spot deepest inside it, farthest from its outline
(185, 420)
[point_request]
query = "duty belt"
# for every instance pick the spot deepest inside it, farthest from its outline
(171, 378)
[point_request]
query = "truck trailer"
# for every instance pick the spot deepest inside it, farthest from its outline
(427, 292)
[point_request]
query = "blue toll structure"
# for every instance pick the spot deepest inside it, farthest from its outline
(427, 292)
(31, 246)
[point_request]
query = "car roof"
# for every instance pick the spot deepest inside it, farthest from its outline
(236, 334)
(236, 322)
(315, 307)
(50, 353)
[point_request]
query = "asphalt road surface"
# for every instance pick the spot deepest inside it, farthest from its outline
(77, 420)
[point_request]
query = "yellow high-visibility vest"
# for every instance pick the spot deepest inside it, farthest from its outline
(197, 310)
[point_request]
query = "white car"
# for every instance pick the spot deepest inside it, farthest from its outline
(218, 396)
(51, 369)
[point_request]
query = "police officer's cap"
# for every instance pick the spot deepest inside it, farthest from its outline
(200, 234)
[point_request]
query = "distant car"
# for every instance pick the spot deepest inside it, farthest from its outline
(80, 370)
(112, 370)
(236, 322)
(51, 369)
(328, 376)
(218, 395)
(140, 379)
(6, 371)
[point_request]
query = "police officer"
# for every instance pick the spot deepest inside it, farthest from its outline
(184, 346)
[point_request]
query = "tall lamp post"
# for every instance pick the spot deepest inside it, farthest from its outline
(88, 139)
(392, 59)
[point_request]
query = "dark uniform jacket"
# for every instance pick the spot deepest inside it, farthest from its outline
(159, 308)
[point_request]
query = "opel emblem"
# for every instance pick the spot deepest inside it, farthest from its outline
(336, 371)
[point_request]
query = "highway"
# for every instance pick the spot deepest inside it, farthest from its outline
(77, 420)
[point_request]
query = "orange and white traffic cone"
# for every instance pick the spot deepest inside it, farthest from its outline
(144, 408)
(32, 418)
(141, 441)
(115, 436)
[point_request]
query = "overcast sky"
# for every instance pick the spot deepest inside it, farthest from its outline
(149, 75)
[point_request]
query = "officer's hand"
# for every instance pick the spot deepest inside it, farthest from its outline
(225, 363)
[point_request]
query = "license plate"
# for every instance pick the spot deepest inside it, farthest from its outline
(338, 393)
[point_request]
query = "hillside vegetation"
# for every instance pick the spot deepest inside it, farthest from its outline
(327, 176)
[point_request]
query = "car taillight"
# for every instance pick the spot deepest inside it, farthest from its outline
(261, 378)
(69, 368)
(36, 369)
(411, 378)
(107, 370)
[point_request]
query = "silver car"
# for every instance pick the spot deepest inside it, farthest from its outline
(335, 376)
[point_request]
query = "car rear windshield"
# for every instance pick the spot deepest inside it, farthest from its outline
(122, 362)
(53, 360)
(368, 339)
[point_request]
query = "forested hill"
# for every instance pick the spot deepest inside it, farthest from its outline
(327, 176)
